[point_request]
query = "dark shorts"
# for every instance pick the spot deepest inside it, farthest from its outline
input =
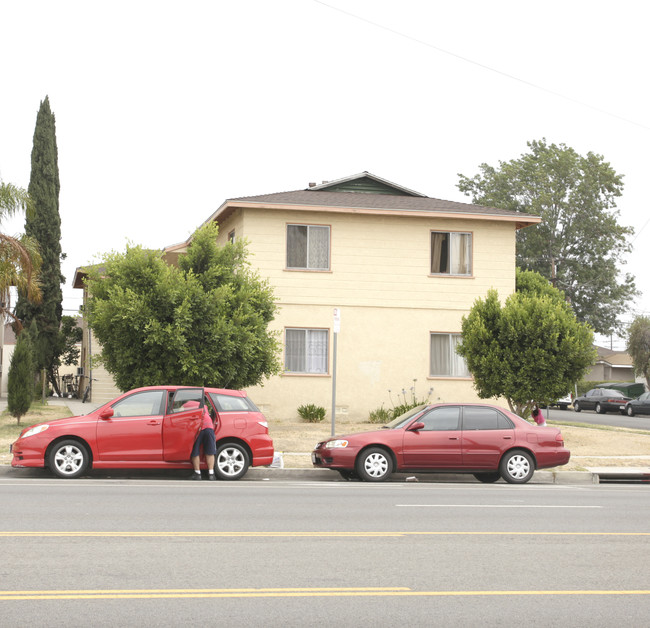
(206, 438)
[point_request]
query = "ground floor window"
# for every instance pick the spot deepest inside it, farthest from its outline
(306, 350)
(445, 362)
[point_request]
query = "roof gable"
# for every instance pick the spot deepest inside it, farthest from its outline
(364, 183)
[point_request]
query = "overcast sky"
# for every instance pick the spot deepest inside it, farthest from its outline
(165, 109)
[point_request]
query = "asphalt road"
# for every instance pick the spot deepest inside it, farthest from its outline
(639, 422)
(160, 552)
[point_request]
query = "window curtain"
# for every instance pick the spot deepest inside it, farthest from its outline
(306, 351)
(294, 352)
(460, 253)
(317, 351)
(445, 362)
(319, 247)
(296, 246)
(438, 252)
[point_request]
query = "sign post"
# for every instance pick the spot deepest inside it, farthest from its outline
(336, 330)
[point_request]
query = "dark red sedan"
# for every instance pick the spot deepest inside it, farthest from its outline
(150, 428)
(484, 440)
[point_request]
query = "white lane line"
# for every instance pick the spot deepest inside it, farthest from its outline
(488, 506)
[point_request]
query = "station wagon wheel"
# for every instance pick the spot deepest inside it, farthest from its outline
(488, 478)
(68, 459)
(231, 461)
(516, 467)
(374, 465)
(629, 410)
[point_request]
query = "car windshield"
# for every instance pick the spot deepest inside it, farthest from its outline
(404, 418)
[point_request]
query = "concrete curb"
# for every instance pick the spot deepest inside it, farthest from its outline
(260, 474)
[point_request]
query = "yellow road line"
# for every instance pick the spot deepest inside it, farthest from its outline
(289, 592)
(322, 534)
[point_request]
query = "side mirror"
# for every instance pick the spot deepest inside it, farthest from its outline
(106, 413)
(416, 427)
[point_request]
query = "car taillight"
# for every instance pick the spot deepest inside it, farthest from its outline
(559, 439)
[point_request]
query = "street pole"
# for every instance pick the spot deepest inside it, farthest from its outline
(336, 329)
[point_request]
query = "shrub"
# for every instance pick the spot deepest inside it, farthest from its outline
(312, 413)
(380, 415)
(20, 387)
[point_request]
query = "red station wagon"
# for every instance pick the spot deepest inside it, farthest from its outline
(150, 428)
(487, 441)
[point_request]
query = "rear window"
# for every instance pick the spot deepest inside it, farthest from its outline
(477, 418)
(231, 403)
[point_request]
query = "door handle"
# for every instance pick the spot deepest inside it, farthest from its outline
(453, 438)
(507, 438)
(153, 423)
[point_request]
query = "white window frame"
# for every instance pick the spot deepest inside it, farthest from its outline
(459, 243)
(315, 359)
(450, 364)
(309, 263)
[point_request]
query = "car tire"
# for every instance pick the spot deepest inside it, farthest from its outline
(68, 459)
(516, 467)
(629, 410)
(576, 406)
(374, 465)
(599, 409)
(231, 462)
(348, 475)
(488, 478)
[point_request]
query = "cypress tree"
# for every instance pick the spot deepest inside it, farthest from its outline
(20, 384)
(44, 225)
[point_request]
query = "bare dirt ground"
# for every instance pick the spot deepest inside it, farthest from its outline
(589, 446)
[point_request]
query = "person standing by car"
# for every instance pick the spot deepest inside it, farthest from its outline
(538, 417)
(207, 438)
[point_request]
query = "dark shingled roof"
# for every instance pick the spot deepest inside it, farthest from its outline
(373, 201)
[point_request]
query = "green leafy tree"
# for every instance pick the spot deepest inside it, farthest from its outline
(20, 384)
(638, 346)
(579, 245)
(20, 260)
(44, 226)
(530, 349)
(204, 322)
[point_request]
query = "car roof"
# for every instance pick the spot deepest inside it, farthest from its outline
(220, 391)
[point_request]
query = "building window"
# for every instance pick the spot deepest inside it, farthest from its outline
(308, 247)
(306, 350)
(451, 253)
(231, 237)
(445, 362)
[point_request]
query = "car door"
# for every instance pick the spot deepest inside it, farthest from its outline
(644, 404)
(437, 444)
(486, 434)
(181, 423)
(589, 402)
(134, 431)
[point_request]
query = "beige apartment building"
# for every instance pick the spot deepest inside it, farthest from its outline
(401, 268)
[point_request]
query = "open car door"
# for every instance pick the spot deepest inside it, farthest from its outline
(182, 423)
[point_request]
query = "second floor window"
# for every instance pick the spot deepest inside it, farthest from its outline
(308, 247)
(451, 253)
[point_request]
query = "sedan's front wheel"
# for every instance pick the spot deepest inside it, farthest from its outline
(629, 410)
(517, 467)
(68, 459)
(576, 406)
(374, 465)
(231, 461)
